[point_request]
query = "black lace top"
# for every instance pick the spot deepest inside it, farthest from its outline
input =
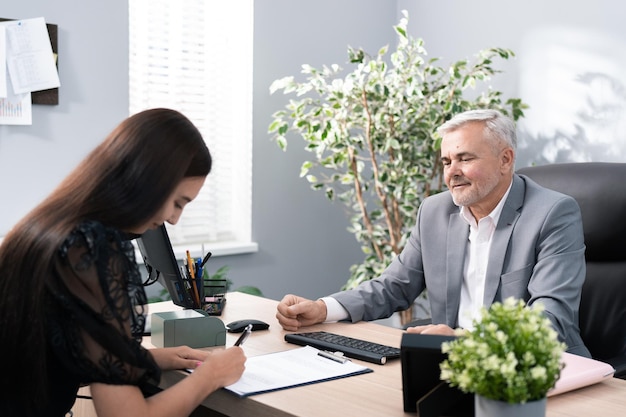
(95, 316)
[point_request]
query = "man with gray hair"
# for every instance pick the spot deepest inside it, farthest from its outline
(493, 235)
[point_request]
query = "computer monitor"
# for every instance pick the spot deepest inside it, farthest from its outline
(422, 386)
(158, 256)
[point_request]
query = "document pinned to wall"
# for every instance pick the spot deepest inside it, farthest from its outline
(30, 60)
(14, 109)
(3, 59)
(28, 65)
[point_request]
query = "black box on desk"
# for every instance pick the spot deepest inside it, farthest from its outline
(422, 388)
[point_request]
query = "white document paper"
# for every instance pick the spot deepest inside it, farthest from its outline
(291, 368)
(30, 61)
(3, 60)
(16, 109)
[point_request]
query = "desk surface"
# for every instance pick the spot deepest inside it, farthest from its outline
(375, 394)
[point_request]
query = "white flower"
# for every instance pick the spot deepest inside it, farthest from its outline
(492, 363)
(539, 373)
(512, 350)
(501, 337)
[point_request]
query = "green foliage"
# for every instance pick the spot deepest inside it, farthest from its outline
(220, 277)
(513, 354)
(372, 134)
(248, 289)
(163, 295)
(218, 281)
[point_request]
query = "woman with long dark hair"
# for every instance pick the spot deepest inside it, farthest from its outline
(71, 297)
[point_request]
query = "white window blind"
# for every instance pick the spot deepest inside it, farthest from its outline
(195, 56)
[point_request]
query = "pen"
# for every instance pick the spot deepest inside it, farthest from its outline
(198, 264)
(332, 356)
(206, 258)
(244, 335)
(191, 266)
(192, 273)
(199, 278)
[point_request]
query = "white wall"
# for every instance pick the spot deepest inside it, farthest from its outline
(570, 68)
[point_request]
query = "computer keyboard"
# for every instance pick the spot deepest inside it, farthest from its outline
(353, 348)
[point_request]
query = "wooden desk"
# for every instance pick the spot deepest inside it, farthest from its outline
(375, 394)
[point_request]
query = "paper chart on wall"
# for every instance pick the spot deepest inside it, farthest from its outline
(3, 59)
(15, 109)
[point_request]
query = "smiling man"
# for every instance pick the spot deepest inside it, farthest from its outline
(494, 234)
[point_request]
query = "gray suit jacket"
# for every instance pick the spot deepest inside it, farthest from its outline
(537, 254)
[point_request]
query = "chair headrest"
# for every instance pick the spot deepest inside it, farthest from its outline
(600, 190)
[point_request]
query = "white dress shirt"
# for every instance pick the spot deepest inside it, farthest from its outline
(334, 310)
(475, 267)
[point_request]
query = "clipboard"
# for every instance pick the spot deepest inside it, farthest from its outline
(292, 368)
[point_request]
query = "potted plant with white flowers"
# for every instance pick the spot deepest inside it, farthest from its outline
(510, 360)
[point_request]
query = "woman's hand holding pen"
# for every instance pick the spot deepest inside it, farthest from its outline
(219, 368)
(223, 367)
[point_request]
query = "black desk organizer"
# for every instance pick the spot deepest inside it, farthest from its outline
(214, 296)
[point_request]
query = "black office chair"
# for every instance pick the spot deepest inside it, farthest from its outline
(600, 190)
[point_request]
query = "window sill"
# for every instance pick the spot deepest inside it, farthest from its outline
(199, 250)
(196, 250)
(217, 249)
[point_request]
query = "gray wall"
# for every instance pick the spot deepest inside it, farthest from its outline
(563, 47)
(93, 97)
(304, 246)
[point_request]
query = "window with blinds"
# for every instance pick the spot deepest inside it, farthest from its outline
(195, 56)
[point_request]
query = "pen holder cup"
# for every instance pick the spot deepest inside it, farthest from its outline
(187, 327)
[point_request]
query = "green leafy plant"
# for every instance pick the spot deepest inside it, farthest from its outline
(512, 355)
(219, 279)
(372, 133)
(217, 282)
(163, 295)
